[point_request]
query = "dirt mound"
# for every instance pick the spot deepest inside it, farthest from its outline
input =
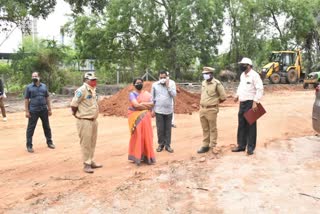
(283, 87)
(117, 105)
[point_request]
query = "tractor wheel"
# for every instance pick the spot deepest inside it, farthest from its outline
(292, 76)
(275, 78)
(305, 85)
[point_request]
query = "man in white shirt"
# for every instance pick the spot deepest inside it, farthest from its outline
(163, 93)
(249, 93)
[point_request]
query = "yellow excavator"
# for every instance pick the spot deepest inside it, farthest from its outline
(283, 67)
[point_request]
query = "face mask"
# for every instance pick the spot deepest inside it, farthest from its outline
(243, 67)
(138, 86)
(93, 83)
(35, 80)
(162, 81)
(206, 76)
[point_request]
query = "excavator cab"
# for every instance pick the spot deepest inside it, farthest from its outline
(284, 67)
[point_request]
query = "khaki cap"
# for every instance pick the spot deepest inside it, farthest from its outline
(207, 70)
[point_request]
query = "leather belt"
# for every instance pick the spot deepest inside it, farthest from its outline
(91, 119)
(209, 106)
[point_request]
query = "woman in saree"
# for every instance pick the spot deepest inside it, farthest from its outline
(139, 117)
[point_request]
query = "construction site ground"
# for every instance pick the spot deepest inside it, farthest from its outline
(281, 177)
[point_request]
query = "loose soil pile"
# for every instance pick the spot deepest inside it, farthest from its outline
(118, 104)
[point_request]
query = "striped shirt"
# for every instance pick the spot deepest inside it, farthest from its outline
(163, 97)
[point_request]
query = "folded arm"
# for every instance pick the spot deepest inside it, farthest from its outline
(142, 105)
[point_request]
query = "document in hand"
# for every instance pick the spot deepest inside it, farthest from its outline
(252, 116)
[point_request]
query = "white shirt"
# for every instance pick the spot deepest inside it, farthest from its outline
(250, 87)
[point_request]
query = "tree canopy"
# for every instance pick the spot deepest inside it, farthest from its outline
(182, 35)
(19, 11)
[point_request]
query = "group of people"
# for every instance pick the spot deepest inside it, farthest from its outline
(249, 93)
(159, 103)
(143, 107)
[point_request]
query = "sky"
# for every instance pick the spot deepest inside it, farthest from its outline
(47, 29)
(50, 29)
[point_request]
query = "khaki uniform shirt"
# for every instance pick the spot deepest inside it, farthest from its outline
(85, 99)
(212, 92)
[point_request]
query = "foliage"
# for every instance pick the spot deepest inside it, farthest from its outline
(132, 37)
(45, 57)
(95, 5)
(18, 12)
(259, 27)
(143, 34)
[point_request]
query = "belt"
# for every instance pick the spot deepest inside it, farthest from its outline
(91, 119)
(209, 106)
(246, 101)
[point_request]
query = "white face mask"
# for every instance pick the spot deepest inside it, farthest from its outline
(162, 81)
(206, 76)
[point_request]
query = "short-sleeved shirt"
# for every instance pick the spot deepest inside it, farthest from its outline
(212, 92)
(134, 96)
(85, 99)
(37, 96)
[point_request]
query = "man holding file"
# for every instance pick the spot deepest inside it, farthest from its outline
(249, 93)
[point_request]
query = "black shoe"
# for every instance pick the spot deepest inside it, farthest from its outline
(203, 150)
(30, 150)
(249, 152)
(168, 148)
(160, 148)
(51, 146)
(173, 126)
(237, 149)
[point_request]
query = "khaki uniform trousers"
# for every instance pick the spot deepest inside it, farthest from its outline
(208, 119)
(3, 110)
(87, 131)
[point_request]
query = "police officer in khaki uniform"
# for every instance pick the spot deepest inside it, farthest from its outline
(212, 93)
(84, 107)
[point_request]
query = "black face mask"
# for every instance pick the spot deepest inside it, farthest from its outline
(138, 86)
(243, 67)
(34, 80)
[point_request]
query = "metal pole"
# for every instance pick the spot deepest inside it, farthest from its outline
(117, 77)
(147, 76)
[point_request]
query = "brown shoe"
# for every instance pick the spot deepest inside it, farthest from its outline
(87, 168)
(95, 165)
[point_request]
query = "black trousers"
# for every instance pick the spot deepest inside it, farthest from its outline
(163, 122)
(32, 123)
(247, 134)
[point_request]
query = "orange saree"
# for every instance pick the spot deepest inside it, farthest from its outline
(141, 140)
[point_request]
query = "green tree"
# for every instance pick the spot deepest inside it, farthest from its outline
(150, 34)
(45, 57)
(17, 12)
(304, 29)
(95, 5)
